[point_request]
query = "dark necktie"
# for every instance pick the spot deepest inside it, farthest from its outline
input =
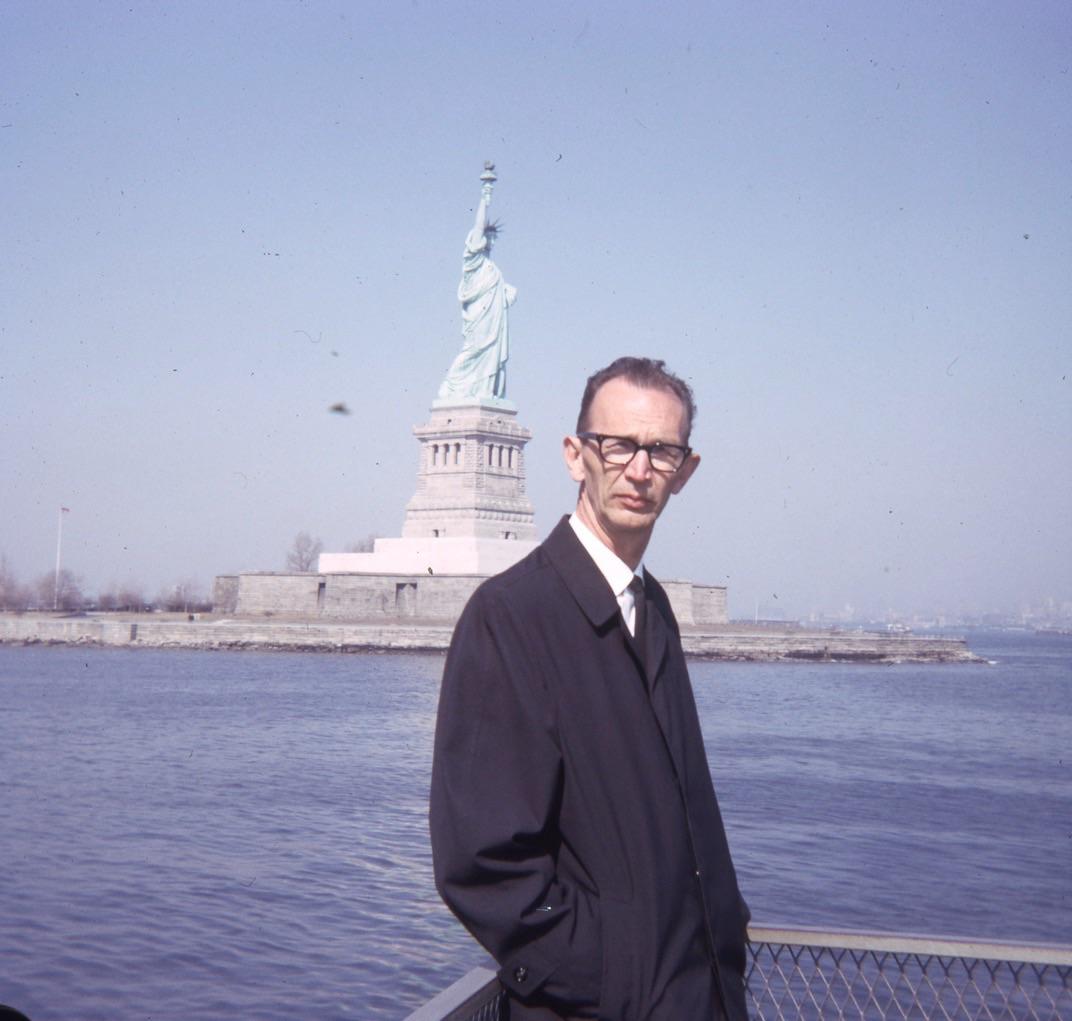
(640, 613)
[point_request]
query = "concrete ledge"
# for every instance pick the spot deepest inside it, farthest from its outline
(733, 642)
(149, 631)
(176, 631)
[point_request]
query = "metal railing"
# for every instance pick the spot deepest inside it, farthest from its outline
(476, 996)
(815, 975)
(811, 974)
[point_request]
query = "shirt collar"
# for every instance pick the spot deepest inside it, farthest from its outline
(617, 572)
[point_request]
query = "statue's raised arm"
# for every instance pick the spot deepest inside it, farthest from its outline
(480, 225)
(479, 370)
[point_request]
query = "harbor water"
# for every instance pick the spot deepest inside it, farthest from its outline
(213, 835)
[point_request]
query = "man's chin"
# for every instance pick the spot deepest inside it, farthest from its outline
(635, 518)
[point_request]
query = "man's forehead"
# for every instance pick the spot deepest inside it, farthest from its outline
(622, 400)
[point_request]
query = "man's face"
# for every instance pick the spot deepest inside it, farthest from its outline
(620, 504)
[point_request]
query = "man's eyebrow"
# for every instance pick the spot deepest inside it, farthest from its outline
(633, 439)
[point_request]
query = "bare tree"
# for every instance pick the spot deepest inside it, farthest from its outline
(366, 545)
(63, 591)
(184, 596)
(13, 594)
(304, 553)
(130, 598)
(122, 598)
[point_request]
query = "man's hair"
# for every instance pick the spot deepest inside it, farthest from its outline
(649, 373)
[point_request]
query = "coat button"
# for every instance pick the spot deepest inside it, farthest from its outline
(521, 973)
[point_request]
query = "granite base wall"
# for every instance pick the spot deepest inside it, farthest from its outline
(225, 593)
(440, 597)
(354, 597)
(703, 605)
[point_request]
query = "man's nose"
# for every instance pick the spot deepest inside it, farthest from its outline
(639, 469)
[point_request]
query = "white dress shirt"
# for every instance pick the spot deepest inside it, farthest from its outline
(617, 572)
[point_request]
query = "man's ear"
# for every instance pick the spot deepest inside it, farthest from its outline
(571, 452)
(684, 473)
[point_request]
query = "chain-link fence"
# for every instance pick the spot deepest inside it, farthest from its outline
(815, 975)
(809, 975)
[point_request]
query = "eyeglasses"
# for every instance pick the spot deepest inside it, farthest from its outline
(620, 450)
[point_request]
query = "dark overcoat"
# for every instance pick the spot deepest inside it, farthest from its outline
(575, 830)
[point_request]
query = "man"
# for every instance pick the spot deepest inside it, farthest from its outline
(575, 829)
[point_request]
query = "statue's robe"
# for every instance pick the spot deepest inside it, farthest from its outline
(479, 370)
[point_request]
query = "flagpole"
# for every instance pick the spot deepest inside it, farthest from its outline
(59, 546)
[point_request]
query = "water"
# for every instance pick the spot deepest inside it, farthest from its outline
(924, 799)
(209, 835)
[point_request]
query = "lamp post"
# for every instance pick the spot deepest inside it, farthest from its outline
(59, 547)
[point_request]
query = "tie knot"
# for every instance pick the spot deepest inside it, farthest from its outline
(636, 586)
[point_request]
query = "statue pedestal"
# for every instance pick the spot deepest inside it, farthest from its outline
(470, 513)
(437, 556)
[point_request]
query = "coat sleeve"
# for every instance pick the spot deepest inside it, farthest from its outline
(496, 783)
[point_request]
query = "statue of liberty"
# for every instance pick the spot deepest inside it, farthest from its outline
(479, 370)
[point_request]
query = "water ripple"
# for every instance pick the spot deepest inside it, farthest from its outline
(219, 835)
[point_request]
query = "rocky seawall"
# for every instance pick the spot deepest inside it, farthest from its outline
(823, 645)
(725, 642)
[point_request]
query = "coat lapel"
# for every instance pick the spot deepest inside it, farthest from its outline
(596, 600)
(590, 589)
(580, 574)
(594, 596)
(656, 637)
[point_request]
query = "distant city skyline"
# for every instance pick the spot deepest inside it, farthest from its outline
(848, 227)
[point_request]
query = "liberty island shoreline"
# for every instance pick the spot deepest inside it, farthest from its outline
(733, 641)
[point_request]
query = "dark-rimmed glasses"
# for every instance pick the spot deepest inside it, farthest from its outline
(620, 451)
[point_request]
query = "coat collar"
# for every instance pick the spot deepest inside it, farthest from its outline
(594, 596)
(580, 574)
(618, 573)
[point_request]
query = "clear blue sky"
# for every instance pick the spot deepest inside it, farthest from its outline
(848, 225)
